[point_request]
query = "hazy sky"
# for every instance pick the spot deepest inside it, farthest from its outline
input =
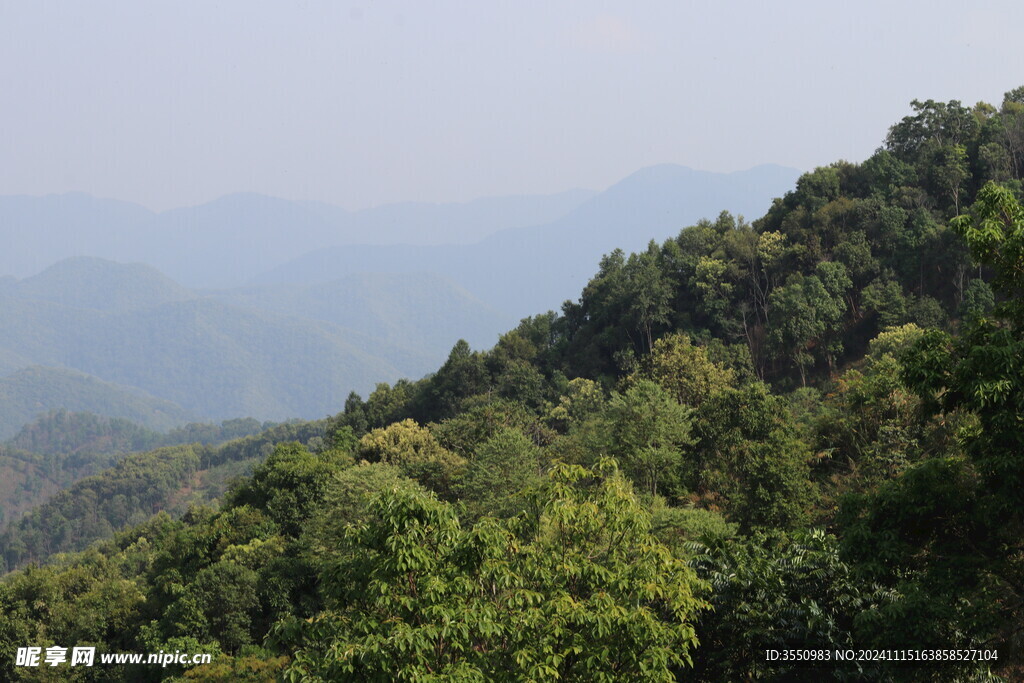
(360, 103)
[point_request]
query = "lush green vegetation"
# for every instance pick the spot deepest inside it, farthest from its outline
(169, 479)
(87, 435)
(800, 433)
(56, 450)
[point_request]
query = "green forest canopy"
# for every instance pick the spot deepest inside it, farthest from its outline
(800, 432)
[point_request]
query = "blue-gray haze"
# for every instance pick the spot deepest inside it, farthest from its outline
(177, 103)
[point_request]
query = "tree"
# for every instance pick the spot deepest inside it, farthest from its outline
(770, 249)
(462, 375)
(649, 431)
(854, 252)
(935, 124)
(871, 425)
(649, 294)
(715, 291)
(807, 312)
(885, 298)
(415, 451)
(978, 301)
(520, 381)
(506, 463)
(481, 419)
(995, 235)
(583, 398)
(388, 404)
(950, 172)
(1012, 119)
(577, 590)
(346, 503)
(226, 592)
(778, 591)
(289, 485)
(684, 370)
(749, 458)
(995, 162)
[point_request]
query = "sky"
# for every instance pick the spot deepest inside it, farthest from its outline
(362, 103)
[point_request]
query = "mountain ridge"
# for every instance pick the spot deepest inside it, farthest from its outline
(523, 270)
(271, 353)
(232, 238)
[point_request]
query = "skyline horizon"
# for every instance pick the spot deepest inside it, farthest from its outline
(361, 105)
(397, 202)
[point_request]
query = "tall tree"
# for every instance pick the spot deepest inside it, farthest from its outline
(649, 431)
(684, 370)
(577, 590)
(808, 311)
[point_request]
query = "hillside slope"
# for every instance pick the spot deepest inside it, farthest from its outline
(270, 352)
(38, 389)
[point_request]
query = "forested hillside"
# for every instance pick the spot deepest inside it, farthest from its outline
(185, 467)
(56, 450)
(36, 389)
(85, 434)
(800, 432)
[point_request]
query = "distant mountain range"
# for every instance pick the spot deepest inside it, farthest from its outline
(261, 307)
(232, 239)
(268, 352)
(523, 271)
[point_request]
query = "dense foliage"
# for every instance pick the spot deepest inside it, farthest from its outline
(167, 479)
(58, 449)
(803, 432)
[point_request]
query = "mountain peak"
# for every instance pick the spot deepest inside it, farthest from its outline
(102, 284)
